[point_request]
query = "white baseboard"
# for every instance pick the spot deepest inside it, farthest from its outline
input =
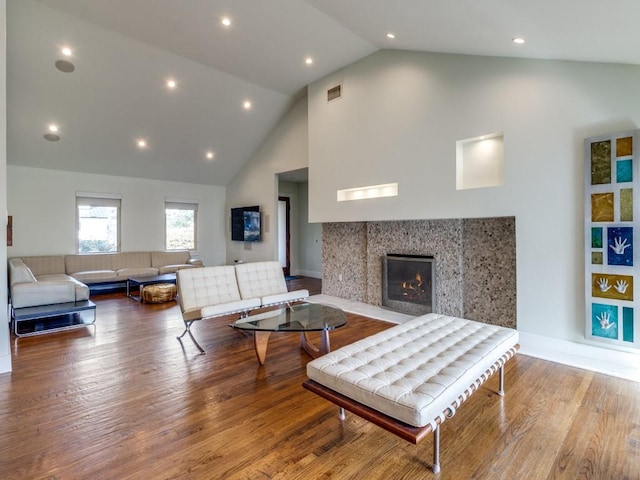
(309, 273)
(588, 357)
(5, 363)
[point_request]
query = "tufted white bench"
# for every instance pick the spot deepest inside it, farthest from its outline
(409, 378)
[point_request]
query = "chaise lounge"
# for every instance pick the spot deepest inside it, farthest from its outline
(408, 379)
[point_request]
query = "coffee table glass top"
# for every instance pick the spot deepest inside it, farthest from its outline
(303, 317)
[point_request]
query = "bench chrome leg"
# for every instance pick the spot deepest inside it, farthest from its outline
(187, 329)
(342, 415)
(501, 388)
(436, 450)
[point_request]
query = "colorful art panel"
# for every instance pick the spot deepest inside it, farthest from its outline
(604, 321)
(624, 147)
(602, 207)
(620, 246)
(627, 324)
(612, 182)
(626, 205)
(596, 237)
(624, 171)
(615, 287)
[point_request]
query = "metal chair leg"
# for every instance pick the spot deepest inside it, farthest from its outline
(436, 450)
(193, 339)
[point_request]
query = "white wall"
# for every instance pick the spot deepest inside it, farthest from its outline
(5, 352)
(285, 149)
(43, 206)
(400, 117)
(310, 238)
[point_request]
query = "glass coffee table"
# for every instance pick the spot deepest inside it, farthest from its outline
(302, 317)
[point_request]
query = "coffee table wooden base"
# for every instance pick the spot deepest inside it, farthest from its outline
(311, 349)
(261, 342)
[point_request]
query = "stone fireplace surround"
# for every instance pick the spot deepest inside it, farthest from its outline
(475, 265)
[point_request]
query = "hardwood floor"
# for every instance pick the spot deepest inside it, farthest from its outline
(128, 401)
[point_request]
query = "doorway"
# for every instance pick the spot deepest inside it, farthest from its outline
(284, 234)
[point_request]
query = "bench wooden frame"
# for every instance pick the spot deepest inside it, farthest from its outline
(403, 430)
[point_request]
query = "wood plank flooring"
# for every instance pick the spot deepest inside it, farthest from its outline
(128, 401)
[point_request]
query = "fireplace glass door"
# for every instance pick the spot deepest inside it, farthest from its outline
(408, 283)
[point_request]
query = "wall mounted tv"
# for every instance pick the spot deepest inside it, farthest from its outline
(245, 224)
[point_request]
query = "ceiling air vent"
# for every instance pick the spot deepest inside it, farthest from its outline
(334, 93)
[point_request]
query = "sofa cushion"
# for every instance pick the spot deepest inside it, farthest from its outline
(82, 290)
(201, 287)
(42, 293)
(175, 268)
(44, 265)
(19, 272)
(130, 260)
(259, 279)
(97, 276)
(93, 262)
(229, 307)
(160, 259)
(284, 297)
(125, 273)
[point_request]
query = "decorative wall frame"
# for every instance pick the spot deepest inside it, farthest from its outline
(612, 248)
(9, 230)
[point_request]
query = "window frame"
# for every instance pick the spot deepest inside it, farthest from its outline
(181, 205)
(99, 200)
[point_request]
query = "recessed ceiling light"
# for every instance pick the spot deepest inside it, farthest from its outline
(142, 143)
(391, 35)
(171, 83)
(246, 105)
(308, 60)
(518, 40)
(66, 51)
(209, 155)
(226, 21)
(53, 128)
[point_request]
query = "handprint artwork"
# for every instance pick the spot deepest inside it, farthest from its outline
(604, 321)
(621, 286)
(620, 246)
(616, 287)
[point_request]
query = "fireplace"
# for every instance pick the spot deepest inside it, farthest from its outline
(408, 283)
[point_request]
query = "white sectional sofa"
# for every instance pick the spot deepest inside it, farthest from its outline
(48, 287)
(51, 279)
(211, 292)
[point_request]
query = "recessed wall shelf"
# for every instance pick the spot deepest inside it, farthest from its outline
(372, 191)
(480, 162)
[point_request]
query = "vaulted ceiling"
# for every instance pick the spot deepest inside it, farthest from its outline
(124, 52)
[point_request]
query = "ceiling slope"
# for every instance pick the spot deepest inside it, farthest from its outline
(125, 50)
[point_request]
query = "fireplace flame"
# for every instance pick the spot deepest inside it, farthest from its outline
(413, 286)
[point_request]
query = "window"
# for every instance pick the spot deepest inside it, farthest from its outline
(180, 225)
(98, 225)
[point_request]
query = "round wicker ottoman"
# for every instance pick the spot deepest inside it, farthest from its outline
(159, 293)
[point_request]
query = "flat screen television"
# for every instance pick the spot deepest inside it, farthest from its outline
(245, 224)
